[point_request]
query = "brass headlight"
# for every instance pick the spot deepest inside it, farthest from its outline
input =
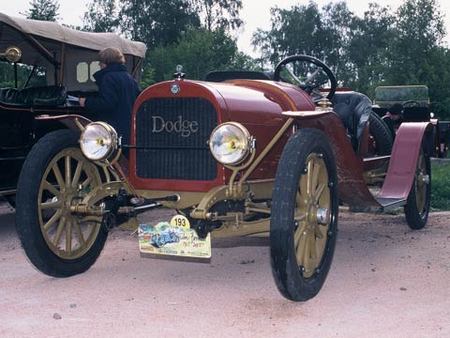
(230, 143)
(98, 141)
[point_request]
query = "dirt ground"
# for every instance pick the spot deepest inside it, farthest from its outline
(385, 281)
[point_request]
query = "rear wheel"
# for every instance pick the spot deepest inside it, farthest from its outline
(55, 177)
(304, 215)
(381, 137)
(417, 206)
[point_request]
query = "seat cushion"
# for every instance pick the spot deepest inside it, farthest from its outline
(354, 110)
(34, 96)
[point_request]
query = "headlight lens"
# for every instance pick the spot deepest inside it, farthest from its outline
(98, 141)
(230, 143)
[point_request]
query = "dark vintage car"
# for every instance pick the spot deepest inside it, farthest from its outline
(233, 158)
(42, 65)
(411, 103)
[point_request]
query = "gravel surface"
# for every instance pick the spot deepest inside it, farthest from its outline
(385, 281)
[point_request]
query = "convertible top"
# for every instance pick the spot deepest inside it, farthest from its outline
(68, 56)
(58, 32)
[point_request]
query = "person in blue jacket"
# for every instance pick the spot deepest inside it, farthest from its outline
(116, 95)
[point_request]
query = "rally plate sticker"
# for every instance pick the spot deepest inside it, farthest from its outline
(174, 239)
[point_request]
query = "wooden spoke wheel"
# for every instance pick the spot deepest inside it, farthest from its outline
(304, 215)
(66, 181)
(56, 178)
(419, 199)
(313, 215)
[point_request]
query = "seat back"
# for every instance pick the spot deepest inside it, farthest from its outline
(354, 110)
(220, 76)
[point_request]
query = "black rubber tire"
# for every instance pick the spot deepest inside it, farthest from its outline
(382, 135)
(287, 274)
(27, 223)
(417, 219)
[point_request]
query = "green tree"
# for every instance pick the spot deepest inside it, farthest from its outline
(293, 31)
(419, 30)
(305, 29)
(368, 50)
(219, 14)
(337, 24)
(417, 53)
(46, 10)
(437, 70)
(101, 16)
(199, 51)
(155, 22)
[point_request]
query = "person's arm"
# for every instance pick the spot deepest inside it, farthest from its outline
(107, 98)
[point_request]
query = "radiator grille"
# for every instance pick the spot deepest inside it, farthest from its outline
(171, 139)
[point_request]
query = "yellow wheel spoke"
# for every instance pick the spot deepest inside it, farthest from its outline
(86, 182)
(300, 248)
(315, 177)
(52, 220)
(68, 171)
(69, 237)
(50, 205)
(309, 185)
(80, 233)
(58, 176)
(298, 233)
(76, 176)
(318, 233)
(312, 247)
(50, 188)
(300, 217)
(319, 192)
(306, 254)
(61, 224)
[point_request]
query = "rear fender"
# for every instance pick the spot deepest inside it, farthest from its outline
(353, 189)
(72, 122)
(410, 139)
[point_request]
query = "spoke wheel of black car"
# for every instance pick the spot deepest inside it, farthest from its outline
(380, 136)
(304, 215)
(56, 177)
(417, 206)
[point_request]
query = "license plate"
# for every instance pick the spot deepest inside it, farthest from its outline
(174, 239)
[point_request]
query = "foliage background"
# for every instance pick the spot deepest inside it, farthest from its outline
(381, 47)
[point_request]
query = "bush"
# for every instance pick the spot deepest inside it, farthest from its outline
(440, 182)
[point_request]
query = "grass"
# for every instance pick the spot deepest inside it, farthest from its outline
(440, 186)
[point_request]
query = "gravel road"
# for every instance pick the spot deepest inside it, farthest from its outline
(385, 281)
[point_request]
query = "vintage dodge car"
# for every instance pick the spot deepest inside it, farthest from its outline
(240, 157)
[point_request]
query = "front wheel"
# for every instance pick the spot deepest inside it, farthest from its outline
(55, 177)
(304, 215)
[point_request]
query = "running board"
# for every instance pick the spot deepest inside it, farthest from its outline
(388, 204)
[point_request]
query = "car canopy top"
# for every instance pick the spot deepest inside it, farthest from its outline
(61, 49)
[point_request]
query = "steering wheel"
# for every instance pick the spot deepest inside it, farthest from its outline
(307, 84)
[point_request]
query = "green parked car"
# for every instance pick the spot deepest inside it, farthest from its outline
(397, 104)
